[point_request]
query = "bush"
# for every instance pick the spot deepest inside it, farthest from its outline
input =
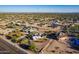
(8, 37)
(77, 36)
(13, 36)
(13, 40)
(33, 47)
(25, 41)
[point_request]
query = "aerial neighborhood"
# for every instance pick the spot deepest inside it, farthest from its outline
(40, 33)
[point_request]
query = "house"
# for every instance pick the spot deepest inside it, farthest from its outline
(55, 23)
(36, 37)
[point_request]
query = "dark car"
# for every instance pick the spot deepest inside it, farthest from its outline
(24, 46)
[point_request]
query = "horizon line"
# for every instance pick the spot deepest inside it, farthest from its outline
(39, 12)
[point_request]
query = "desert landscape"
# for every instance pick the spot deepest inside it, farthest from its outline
(39, 33)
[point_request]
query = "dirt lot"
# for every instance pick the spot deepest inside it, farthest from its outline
(57, 47)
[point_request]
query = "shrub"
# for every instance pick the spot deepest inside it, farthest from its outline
(77, 36)
(8, 37)
(25, 41)
(33, 47)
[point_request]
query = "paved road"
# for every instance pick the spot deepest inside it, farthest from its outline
(11, 47)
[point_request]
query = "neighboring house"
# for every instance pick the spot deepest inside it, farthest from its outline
(55, 23)
(35, 37)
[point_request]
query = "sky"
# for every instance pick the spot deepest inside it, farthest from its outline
(40, 8)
